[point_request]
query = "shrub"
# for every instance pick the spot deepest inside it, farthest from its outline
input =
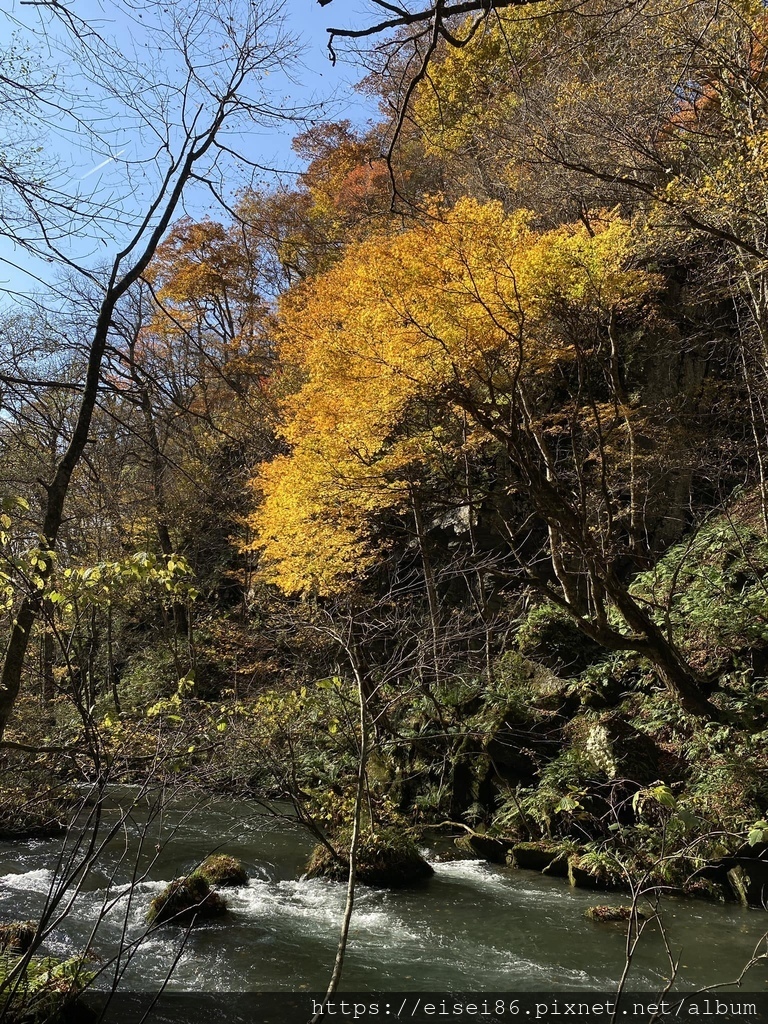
(550, 636)
(43, 991)
(17, 936)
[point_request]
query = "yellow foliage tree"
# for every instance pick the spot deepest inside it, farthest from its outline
(459, 311)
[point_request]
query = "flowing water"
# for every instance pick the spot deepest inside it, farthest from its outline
(473, 926)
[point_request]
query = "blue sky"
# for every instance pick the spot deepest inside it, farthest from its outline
(105, 155)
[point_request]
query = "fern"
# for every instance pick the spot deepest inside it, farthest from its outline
(40, 989)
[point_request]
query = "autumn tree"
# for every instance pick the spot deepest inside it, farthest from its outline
(341, 195)
(196, 355)
(663, 113)
(516, 334)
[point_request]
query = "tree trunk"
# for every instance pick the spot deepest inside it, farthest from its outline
(49, 652)
(56, 491)
(180, 619)
(429, 583)
(566, 526)
(678, 676)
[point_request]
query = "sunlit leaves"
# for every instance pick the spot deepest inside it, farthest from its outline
(472, 89)
(468, 303)
(36, 572)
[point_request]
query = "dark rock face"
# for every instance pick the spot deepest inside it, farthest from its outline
(623, 752)
(706, 889)
(749, 877)
(583, 873)
(545, 857)
(551, 638)
(184, 901)
(383, 861)
(746, 872)
(494, 850)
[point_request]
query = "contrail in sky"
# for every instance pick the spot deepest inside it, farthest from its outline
(102, 164)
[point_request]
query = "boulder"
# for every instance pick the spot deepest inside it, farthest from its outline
(184, 901)
(622, 751)
(544, 857)
(220, 871)
(749, 882)
(27, 812)
(385, 859)
(605, 914)
(494, 850)
(549, 636)
(746, 873)
(17, 936)
(586, 872)
(706, 889)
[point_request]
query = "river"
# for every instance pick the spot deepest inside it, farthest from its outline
(473, 926)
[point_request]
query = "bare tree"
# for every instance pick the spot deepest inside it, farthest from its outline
(188, 89)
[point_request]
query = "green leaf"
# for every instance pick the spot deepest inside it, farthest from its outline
(568, 804)
(664, 796)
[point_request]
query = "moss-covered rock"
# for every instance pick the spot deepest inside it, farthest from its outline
(385, 859)
(17, 936)
(594, 871)
(488, 847)
(604, 913)
(616, 748)
(34, 812)
(184, 901)
(47, 991)
(750, 884)
(550, 636)
(745, 873)
(545, 857)
(220, 870)
(706, 889)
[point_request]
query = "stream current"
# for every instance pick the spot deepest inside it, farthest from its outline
(474, 926)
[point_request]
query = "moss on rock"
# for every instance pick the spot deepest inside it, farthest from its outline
(17, 936)
(489, 848)
(549, 636)
(34, 811)
(542, 856)
(604, 913)
(184, 901)
(385, 859)
(46, 991)
(222, 870)
(706, 889)
(594, 871)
